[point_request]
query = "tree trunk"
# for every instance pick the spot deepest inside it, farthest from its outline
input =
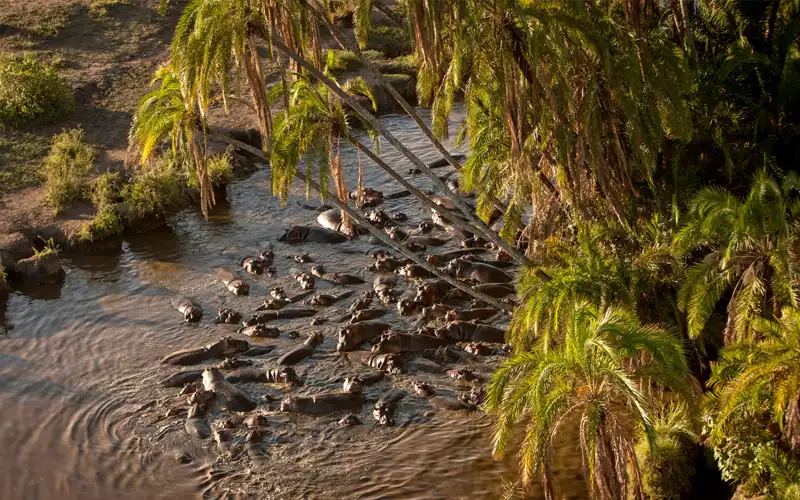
(482, 228)
(386, 11)
(374, 230)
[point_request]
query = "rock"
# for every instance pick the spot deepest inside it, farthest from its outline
(13, 247)
(40, 268)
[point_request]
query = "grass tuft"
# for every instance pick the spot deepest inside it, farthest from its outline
(31, 92)
(50, 247)
(106, 190)
(65, 169)
(342, 60)
(106, 224)
(390, 40)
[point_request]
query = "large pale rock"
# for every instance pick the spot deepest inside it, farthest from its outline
(40, 269)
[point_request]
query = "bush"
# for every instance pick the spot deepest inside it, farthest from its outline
(50, 247)
(106, 190)
(65, 168)
(155, 191)
(389, 40)
(31, 92)
(106, 224)
(342, 60)
(401, 65)
(220, 171)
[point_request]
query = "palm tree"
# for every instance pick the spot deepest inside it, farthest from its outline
(752, 370)
(749, 251)
(315, 123)
(594, 378)
(164, 114)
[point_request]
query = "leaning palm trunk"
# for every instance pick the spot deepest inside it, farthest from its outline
(258, 91)
(371, 228)
(480, 226)
(338, 177)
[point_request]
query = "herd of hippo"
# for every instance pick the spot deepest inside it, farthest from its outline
(447, 335)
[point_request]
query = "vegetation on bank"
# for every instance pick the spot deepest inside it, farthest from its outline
(31, 92)
(66, 168)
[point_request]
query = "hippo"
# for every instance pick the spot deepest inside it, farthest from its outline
(297, 234)
(232, 363)
(228, 316)
(253, 265)
(192, 312)
(441, 402)
(229, 396)
(350, 399)
(275, 304)
(406, 306)
(477, 314)
(324, 300)
(393, 342)
(464, 374)
(235, 285)
(339, 278)
(377, 217)
(255, 421)
(384, 288)
(442, 162)
(477, 272)
(259, 330)
(305, 280)
(353, 335)
(361, 303)
(349, 420)
(496, 290)
(331, 219)
(448, 354)
(196, 425)
(425, 365)
(387, 362)
(476, 396)
(414, 271)
(181, 379)
(259, 350)
(472, 332)
(432, 292)
(401, 236)
(265, 316)
(201, 397)
(298, 354)
(442, 259)
(383, 411)
(499, 264)
(362, 315)
(478, 349)
(473, 242)
(223, 348)
(300, 258)
(435, 311)
(280, 375)
(370, 197)
(386, 264)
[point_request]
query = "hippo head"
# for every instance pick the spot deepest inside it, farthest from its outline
(436, 311)
(475, 396)
(392, 363)
(426, 295)
(387, 344)
(196, 411)
(461, 374)
(255, 421)
(382, 413)
(212, 374)
(353, 385)
(306, 281)
(478, 349)
(295, 233)
(250, 322)
(423, 389)
(456, 267)
(349, 420)
(348, 340)
(192, 314)
(240, 287)
(443, 332)
(287, 375)
(432, 259)
(231, 346)
(399, 217)
(288, 403)
(302, 258)
(451, 315)
(314, 339)
(415, 247)
(200, 397)
(277, 293)
(266, 257)
(317, 270)
(253, 266)
(406, 306)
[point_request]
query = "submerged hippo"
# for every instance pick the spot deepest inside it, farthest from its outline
(226, 315)
(253, 265)
(422, 241)
(276, 303)
(300, 353)
(476, 314)
(496, 290)
(442, 162)
(353, 335)
(265, 316)
(196, 425)
(441, 402)
(370, 197)
(339, 278)
(228, 396)
(477, 272)
(393, 342)
(235, 285)
(324, 300)
(321, 404)
(259, 330)
(384, 409)
(471, 332)
(314, 234)
(180, 379)
(448, 354)
(223, 348)
(388, 362)
(278, 375)
(305, 280)
(444, 258)
(192, 312)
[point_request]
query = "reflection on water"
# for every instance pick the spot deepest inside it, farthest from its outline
(84, 417)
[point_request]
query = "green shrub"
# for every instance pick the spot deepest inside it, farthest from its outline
(65, 168)
(31, 92)
(156, 190)
(400, 65)
(220, 171)
(389, 40)
(105, 224)
(50, 247)
(342, 60)
(106, 190)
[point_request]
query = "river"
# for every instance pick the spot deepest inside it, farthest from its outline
(84, 416)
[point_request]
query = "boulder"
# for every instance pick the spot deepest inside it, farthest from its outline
(13, 247)
(40, 268)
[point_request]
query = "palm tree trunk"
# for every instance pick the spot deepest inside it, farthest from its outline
(372, 229)
(482, 228)
(258, 90)
(389, 13)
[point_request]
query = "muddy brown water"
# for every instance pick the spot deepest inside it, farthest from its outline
(84, 417)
